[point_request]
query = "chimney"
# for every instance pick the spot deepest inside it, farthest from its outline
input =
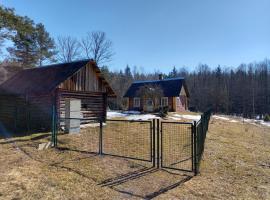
(160, 77)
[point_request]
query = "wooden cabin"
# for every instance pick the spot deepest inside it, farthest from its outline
(27, 98)
(175, 95)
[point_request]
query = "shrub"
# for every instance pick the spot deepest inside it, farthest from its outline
(163, 112)
(267, 118)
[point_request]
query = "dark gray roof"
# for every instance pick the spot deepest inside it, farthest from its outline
(171, 87)
(42, 80)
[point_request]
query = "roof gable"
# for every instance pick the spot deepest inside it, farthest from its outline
(42, 79)
(171, 87)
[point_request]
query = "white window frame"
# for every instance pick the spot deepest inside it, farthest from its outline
(136, 102)
(164, 101)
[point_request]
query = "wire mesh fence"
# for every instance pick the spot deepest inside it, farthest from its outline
(200, 130)
(176, 145)
(128, 138)
(166, 144)
(88, 139)
(122, 138)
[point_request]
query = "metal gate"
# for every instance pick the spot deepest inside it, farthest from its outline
(164, 144)
(177, 145)
(131, 139)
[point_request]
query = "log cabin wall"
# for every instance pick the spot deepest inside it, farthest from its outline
(23, 114)
(11, 109)
(87, 86)
(40, 112)
(93, 104)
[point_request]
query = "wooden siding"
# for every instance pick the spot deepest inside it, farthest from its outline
(86, 79)
(10, 112)
(40, 112)
(25, 114)
(31, 113)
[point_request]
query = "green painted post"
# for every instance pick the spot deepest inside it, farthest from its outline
(100, 137)
(195, 148)
(53, 125)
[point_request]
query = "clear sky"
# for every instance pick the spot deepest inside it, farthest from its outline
(160, 34)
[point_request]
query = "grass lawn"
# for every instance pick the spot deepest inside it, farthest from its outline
(235, 165)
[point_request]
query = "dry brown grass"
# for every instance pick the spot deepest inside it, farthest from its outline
(236, 165)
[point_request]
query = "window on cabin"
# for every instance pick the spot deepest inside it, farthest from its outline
(137, 102)
(164, 101)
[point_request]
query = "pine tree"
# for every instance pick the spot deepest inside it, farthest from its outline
(25, 44)
(45, 45)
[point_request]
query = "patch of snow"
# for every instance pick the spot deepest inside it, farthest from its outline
(141, 117)
(191, 117)
(265, 123)
(132, 112)
(174, 118)
(220, 117)
(245, 120)
(130, 115)
(112, 114)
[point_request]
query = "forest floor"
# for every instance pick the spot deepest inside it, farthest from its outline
(235, 165)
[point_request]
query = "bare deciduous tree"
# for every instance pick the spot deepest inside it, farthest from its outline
(96, 46)
(68, 49)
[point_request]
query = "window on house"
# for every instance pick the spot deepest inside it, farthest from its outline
(164, 101)
(137, 102)
(149, 102)
(178, 102)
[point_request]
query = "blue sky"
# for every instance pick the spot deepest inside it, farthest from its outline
(160, 34)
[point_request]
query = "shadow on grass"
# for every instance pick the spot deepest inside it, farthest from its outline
(145, 174)
(127, 177)
(156, 193)
(77, 151)
(165, 189)
(39, 137)
(144, 183)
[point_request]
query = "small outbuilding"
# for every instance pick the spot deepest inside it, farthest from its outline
(27, 98)
(171, 93)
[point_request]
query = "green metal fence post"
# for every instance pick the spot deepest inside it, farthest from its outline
(56, 127)
(53, 125)
(195, 148)
(100, 137)
(158, 138)
(154, 142)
